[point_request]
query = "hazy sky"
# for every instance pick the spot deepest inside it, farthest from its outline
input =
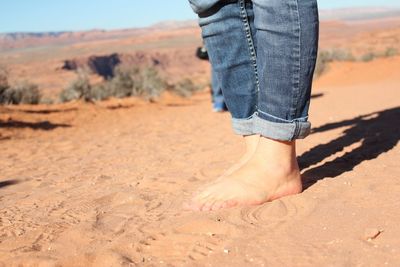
(59, 15)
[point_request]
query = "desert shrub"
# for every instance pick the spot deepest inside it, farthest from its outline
(151, 83)
(100, 92)
(325, 57)
(336, 55)
(341, 55)
(47, 101)
(131, 81)
(185, 88)
(368, 57)
(390, 52)
(3, 81)
(23, 92)
(321, 66)
(3, 78)
(125, 82)
(77, 89)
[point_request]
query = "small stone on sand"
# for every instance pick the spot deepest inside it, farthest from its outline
(371, 233)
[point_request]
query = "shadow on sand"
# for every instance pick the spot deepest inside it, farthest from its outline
(313, 96)
(47, 111)
(42, 125)
(377, 132)
(8, 183)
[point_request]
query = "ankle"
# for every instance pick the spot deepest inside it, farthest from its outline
(251, 142)
(277, 156)
(276, 151)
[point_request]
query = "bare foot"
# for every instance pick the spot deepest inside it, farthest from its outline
(272, 172)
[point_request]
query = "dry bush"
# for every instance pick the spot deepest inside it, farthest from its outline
(100, 92)
(151, 83)
(321, 66)
(185, 88)
(3, 77)
(328, 56)
(77, 89)
(132, 81)
(368, 57)
(341, 55)
(46, 101)
(127, 81)
(22, 93)
(390, 52)
(3, 81)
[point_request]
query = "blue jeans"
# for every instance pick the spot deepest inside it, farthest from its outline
(217, 96)
(263, 53)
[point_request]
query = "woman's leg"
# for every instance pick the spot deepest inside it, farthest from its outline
(227, 34)
(287, 43)
(227, 29)
(286, 39)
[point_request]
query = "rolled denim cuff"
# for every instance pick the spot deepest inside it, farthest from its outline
(243, 126)
(284, 131)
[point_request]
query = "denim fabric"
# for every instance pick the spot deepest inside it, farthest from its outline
(217, 96)
(263, 53)
(199, 6)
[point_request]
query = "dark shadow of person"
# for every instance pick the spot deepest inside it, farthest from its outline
(376, 132)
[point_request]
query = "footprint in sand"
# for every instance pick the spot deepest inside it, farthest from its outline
(276, 213)
(30, 261)
(191, 241)
(177, 248)
(110, 258)
(268, 213)
(114, 223)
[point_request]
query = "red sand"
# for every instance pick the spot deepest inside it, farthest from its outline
(102, 185)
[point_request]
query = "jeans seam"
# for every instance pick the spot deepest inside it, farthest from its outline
(250, 42)
(296, 130)
(244, 119)
(297, 59)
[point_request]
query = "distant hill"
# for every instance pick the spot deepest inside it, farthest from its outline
(28, 39)
(173, 24)
(20, 40)
(349, 14)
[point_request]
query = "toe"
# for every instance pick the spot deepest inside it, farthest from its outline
(229, 204)
(193, 205)
(208, 205)
(217, 205)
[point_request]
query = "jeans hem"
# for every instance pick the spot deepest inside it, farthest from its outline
(284, 131)
(243, 126)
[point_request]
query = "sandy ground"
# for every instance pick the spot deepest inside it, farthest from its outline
(103, 185)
